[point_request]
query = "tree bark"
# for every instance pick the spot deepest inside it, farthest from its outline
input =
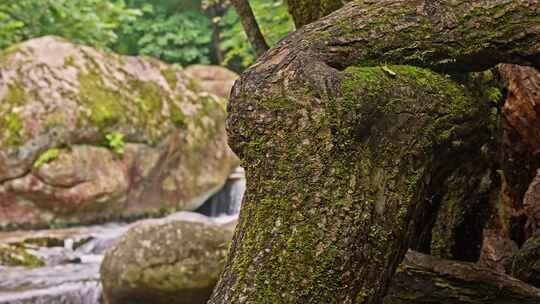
(341, 159)
(521, 144)
(251, 27)
(425, 279)
(307, 11)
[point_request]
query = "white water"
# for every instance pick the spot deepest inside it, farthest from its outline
(229, 200)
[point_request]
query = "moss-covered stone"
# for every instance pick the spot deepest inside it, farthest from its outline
(170, 75)
(18, 256)
(104, 103)
(79, 99)
(166, 261)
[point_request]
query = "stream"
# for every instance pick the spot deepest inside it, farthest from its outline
(73, 255)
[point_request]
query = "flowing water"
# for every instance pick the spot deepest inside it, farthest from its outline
(228, 200)
(71, 274)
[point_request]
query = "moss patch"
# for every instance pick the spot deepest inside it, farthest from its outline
(14, 127)
(18, 256)
(170, 75)
(104, 103)
(46, 157)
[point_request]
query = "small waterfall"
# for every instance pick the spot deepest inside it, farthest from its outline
(228, 200)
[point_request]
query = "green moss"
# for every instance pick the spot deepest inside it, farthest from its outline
(105, 104)
(193, 85)
(177, 116)
(115, 142)
(15, 95)
(150, 97)
(494, 95)
(170, 75)
(6, 53)
(14, 125)
(18, 256)
(69, 61)
(46, 157)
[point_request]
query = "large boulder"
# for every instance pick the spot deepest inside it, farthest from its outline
(173, 261)
(87, 135)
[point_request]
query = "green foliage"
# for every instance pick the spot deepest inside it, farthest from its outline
(165, 32)
(115, 142)
(47, 157)
(85, 21)
(176, 31)
(275, 23)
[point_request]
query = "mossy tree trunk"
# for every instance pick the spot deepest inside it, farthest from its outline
(341, 157)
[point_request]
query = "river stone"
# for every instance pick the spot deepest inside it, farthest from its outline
(172, 261)
(18, 256)
(87, 136)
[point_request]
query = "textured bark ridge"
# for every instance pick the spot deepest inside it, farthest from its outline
(341, 156)
(425, 279)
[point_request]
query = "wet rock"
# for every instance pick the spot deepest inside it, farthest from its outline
(87, 136)
(174, 261)
(18, 256)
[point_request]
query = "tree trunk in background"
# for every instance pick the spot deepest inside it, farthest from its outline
(307, 11)
(251, 27)
(425, 279)
(340, 159)
(214, 12)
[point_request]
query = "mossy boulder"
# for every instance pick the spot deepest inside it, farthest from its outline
(87, 135)
(173, 261)
(18, 256)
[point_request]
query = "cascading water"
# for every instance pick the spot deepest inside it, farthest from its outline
(71, 274)
(228, 200)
